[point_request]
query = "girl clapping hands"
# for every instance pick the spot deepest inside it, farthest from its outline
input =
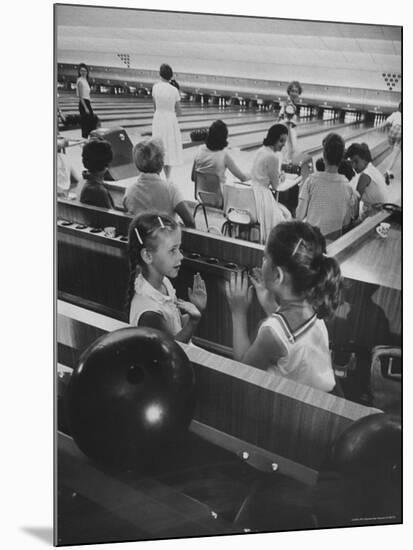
(297, 287)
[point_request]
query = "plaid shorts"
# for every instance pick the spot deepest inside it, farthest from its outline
(395, 134)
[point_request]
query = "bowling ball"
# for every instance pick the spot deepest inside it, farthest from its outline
(290, 110)
(131, 397)
(199, 134)
(371, 444)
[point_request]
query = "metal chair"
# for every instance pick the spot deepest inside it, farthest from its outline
(240, 210)
(207, 193)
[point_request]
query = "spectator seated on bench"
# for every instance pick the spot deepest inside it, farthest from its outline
(150, 192)
(326, 198)
(96, 157)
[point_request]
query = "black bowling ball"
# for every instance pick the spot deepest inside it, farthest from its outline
(131, 397)
(371, 444)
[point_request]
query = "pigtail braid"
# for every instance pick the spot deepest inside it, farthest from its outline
(133, 253)
(326, 293)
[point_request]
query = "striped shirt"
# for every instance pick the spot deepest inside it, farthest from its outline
(326, 201)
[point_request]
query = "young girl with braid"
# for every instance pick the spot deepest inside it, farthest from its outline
(297, 287)
(154, 257)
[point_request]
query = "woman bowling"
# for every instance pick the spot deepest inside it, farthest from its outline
(166, 100)
(288, 115)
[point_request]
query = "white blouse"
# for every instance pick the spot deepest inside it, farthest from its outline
(147, 298)
(82, 88)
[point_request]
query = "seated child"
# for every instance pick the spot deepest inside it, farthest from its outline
(326, 198)
(96, 157)
(154, 257)
(150, 191)
(297, 287)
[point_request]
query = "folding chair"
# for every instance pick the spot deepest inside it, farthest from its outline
(207, 193)
(240, 210)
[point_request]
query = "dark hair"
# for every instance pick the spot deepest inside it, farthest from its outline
(346, 168)
(166, 71)
(174, 83)
(320, 165)
(333, 149)
(274, 134)
(300, 248)
(148, 226)
(83, 66)
(360, 149)
(294, 84)
(97, 155)
(216, 139)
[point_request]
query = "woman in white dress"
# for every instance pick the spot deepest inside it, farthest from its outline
(166, 100)
(266, 172)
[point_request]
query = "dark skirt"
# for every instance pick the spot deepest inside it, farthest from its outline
(87, 118)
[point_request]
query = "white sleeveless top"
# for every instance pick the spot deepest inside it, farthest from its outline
(147, 298)
(376, 191)
(306, 356)
(82, 88)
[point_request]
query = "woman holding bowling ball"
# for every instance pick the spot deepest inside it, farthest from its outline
(288, 115)
(154, 249)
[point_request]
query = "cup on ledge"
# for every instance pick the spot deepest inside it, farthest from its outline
(383, 230)
(110, 232)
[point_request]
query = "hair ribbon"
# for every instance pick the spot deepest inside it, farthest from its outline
(297, 246)
(138, 235)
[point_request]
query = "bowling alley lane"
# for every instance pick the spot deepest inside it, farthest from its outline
(255, 125)
(200, 119)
